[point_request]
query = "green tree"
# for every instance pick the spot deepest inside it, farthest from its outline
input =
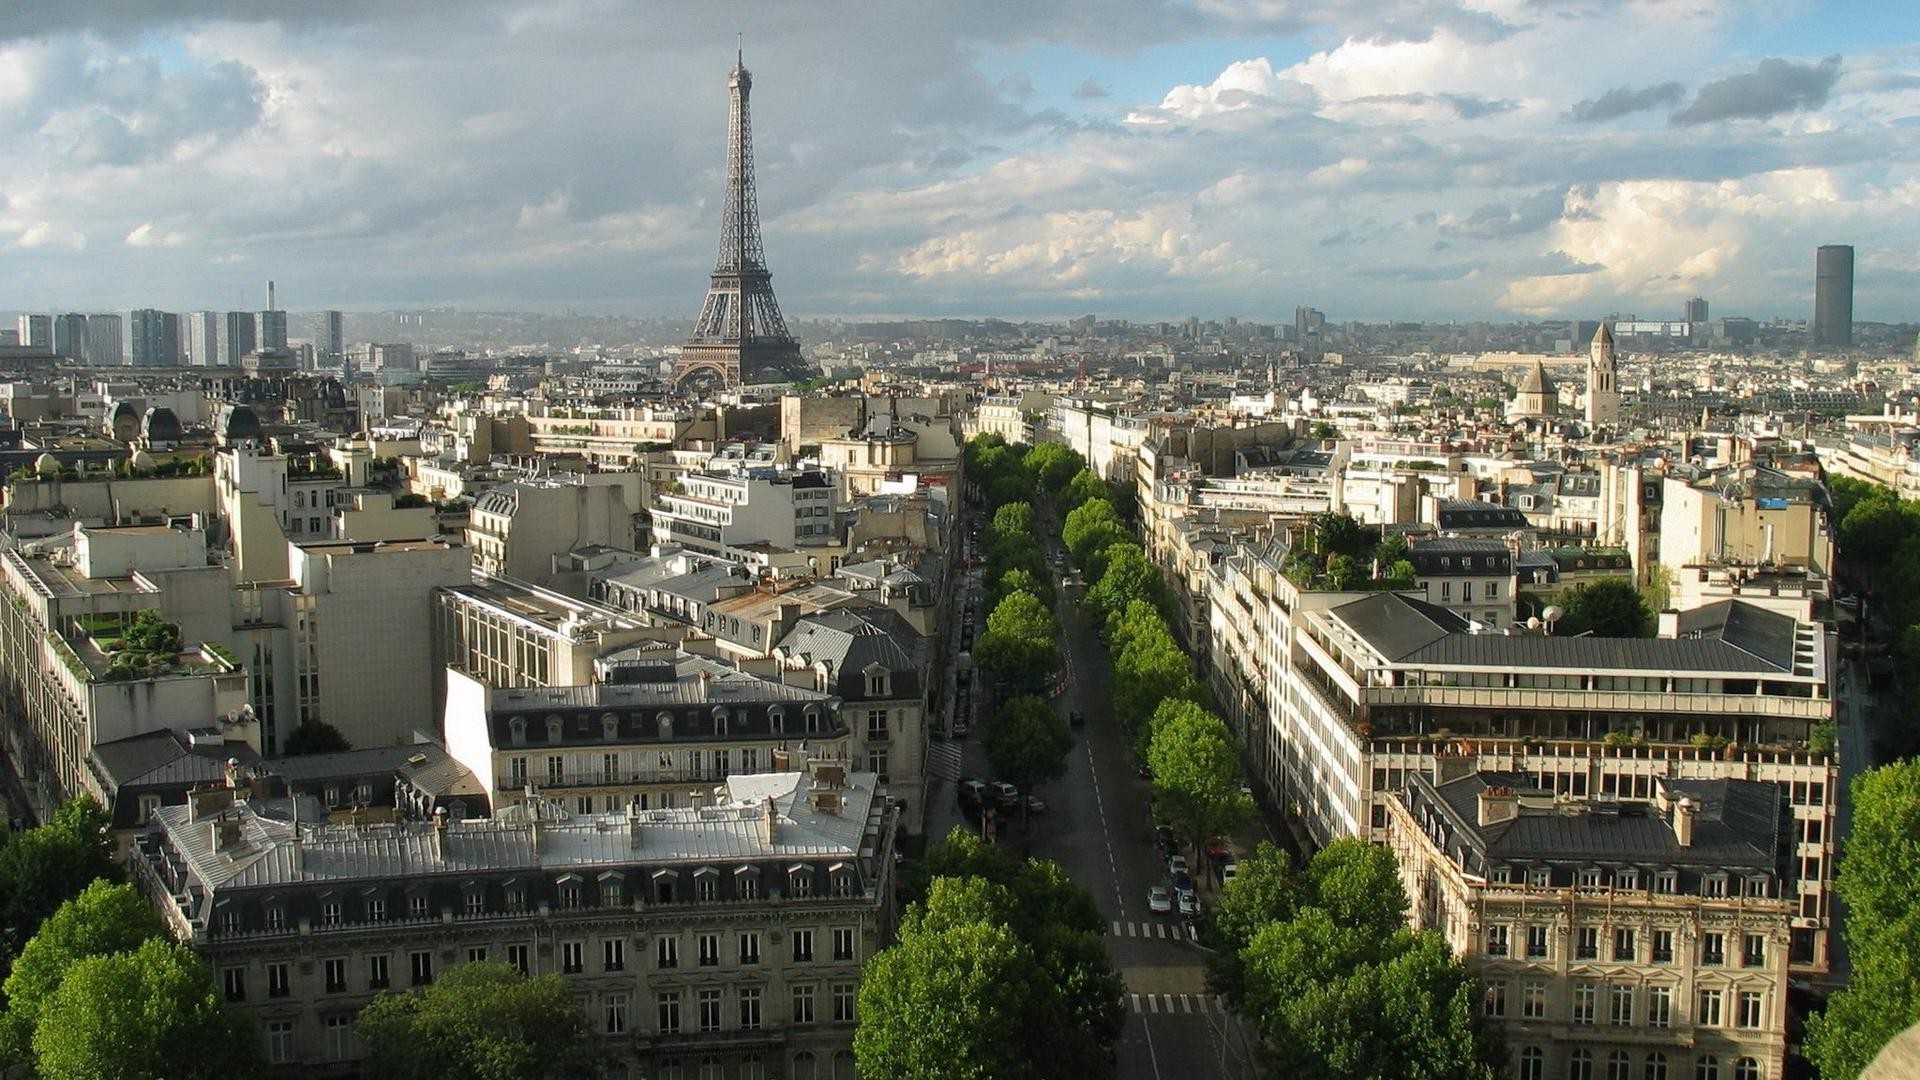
(1875, 877)
(1150, 669)
(1027, 743)
(1846, 493)
(314, 737)
(105, 918)
(1401, 574)
(1076, 529)
(1196, 776)
(1022, 642)
(482, 1021)
(968, 882)
(1021, 579)
(42, 868)
(1412, 1012)
(1335, 533)
(953, 1001)
(1358, 884)
(1873, 531)
(1085, 486)
(1012, 519)
(1054, 466)
(1609, 608)
(1265, 889)
(152, 1012)
(1323, 431)
(1127, 575)
(1343, 572)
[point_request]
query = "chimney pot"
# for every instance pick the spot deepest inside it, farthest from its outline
(1498, 804)
(1683, 818)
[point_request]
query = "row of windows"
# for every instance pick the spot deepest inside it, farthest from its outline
(612, 957)
(1624, 945)
(704, 1010)
(1625, 1002)
(1619, 1065)
(571, 893)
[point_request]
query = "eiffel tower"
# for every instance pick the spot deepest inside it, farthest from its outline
(741, 334)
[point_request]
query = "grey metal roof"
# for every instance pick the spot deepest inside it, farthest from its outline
(1500, 651)
(1737, 825)
(156, 758)
(856, 638)
(1399, 625)
(672, 679)
(1766, 635)
(268, 854)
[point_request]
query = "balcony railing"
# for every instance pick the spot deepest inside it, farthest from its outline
(586, 778)
(1615, 701)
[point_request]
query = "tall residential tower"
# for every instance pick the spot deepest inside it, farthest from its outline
(1833, 295)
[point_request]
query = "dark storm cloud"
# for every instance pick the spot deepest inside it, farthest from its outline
(1623, 100)
(1775, 87)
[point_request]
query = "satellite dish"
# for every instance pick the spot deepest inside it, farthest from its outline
(1533, 623)
(1552, 614)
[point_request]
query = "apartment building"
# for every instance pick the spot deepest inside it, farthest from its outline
(723, 938)
(722, 517)
(509, 634)
(518, 529)
(68, 682)
(1471, 578)
(1339, 698)
(1616, 937)
(1745, 514)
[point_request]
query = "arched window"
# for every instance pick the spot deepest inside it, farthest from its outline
(1619, 1066)
(1533, 1064)
(777, 720)
(609, 726)
(1746, 1069)
(1706, 1067)
(1580, 1065)
(1656, 1067)
(803, 1066)
(518, 727)
(843, 1065)
(665, 721)
(554, 727)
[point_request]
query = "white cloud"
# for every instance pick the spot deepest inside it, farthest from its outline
(145, 235)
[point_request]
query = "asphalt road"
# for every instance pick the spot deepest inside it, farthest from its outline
(1097, 826)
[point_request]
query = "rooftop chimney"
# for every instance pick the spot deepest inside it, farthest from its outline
(1683, 814)
(1498, 804)
(1670, 623)
(769, 821)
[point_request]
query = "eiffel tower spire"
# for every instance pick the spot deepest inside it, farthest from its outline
(740, 333)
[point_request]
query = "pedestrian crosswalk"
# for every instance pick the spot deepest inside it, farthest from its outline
(943, 761)
(1166, 931)
(1178, 1004)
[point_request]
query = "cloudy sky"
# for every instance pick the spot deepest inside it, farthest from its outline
(1139, 158)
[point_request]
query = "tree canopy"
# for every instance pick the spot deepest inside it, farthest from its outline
(105, 918)
(1875, 877)
(1196, 774)
(1027, 742)
(152, 1012)
(482, 1021)
(1078, 530)
(1022, 642)
(1322, 964)
(1086, 485)
(1609, 608)
(42, 868)
(998, 971)
(314, 737)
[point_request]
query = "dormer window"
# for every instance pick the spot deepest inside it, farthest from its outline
(613, 889)
(878, 680)
(569, 890)
(554, 728)
(665, 721)
(517, 729)
(719, 719)
(813, 720)
(800, 881)
(609, 726)
(777, 720)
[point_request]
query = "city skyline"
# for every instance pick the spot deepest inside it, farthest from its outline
(1503, 160)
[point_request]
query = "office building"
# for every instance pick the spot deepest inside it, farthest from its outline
(1697, 310)
(721, 516)
(36, 331)
(721, 938)
(203, 338)
(329, 339)
(70, 336)
(154, 337)
(1833, 295)
(1620, 936)
(1340, 697)
(106, 341)
(238, 338)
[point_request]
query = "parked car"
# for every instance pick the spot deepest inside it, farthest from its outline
(1163, 836)
(1036, 805)
(1077, 718)
(1159, 900)
(971, 790)
(1228, 873)
(1176, 864)
(1189, 903)
(1005, 795)
(960, 728)
(1182, 880)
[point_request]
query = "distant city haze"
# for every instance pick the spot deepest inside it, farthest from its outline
(1138, 159)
